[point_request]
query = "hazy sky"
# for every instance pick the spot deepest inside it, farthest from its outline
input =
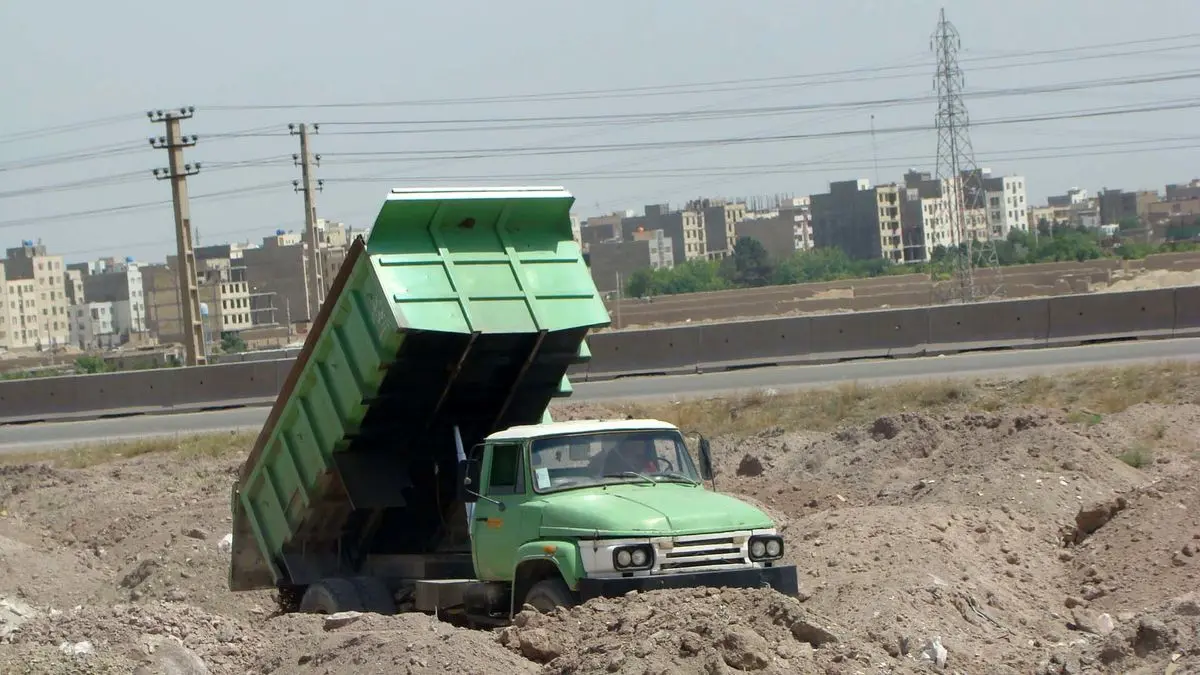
(74, 62)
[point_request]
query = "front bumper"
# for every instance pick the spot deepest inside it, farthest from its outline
(782, 578)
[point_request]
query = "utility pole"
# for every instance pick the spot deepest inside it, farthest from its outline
(306, 185)
(177, 172)
(956, 167)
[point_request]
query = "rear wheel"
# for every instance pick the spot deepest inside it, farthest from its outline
(547, 594)
(374, 595)
(330, 596)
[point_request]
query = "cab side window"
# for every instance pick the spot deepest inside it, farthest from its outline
(505, 477)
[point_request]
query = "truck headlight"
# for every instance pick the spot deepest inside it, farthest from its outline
(766, 547)
(630, 558)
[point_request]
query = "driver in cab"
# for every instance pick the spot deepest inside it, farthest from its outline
(634, 455)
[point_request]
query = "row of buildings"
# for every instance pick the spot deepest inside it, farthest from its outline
(261, 290)
(264, 291)
(902, 222)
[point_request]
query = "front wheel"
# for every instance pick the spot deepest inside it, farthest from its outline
(547, 594)
(330, 596)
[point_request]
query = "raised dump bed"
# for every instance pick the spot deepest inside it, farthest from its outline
(464, 308)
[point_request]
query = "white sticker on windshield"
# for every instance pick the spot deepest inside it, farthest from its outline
(541, 478)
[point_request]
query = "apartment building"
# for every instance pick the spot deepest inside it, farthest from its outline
(1119, 205)
(685, 229)
(36, 298)
(224, 298)
(119, 284)
(613, 262)
(4, 324)
(1181, 210)
(598, 229)
(861, 220)
(1006, 204)
(94, 325)
(777, 235)
(278, 278)
(1184, 191)
(927, 215)
(576, 230)
(720, 218)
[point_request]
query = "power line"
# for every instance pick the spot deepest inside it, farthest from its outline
(794, 79)
(631, 118)
(735, 170)
(548, 121)
(142, 206)
(116, 149)
(132, 177)
(714, 86)
(386, 157)
(66, 128)
(527, 151)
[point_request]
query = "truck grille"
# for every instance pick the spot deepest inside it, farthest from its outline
(704, 551)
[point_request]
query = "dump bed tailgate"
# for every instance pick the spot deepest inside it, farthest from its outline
(463, 308)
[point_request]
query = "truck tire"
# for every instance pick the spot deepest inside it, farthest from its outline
(374, 595)
(547, 594)
(330, 596)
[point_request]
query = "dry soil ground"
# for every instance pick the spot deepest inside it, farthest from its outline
(1032, 526)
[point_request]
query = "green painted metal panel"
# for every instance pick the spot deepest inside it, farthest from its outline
(463, 307)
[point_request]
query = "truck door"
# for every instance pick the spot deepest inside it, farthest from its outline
(497, 531)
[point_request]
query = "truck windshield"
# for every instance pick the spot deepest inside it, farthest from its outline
(658, 456)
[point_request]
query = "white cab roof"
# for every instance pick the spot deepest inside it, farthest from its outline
(498, 192)
(577, 427)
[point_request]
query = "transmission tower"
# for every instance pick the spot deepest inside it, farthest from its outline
(956, 168)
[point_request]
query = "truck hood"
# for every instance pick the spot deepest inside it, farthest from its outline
(644, 510)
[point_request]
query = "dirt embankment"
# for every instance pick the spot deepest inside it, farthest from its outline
(1025, 541)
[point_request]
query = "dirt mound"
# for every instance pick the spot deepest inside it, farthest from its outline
(1030, 460)
(1165, 638)
(922, 537)
(371, 644)
(122, 637)
(140, 530)
(687, 631)
(1146, 551)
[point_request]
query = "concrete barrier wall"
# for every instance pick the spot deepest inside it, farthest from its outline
(1112, 315)
(1015, 323)
(663, 351)
(674, 350)
(141, 391)
(1187, 311)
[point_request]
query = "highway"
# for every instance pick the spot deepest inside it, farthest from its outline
(62, 435)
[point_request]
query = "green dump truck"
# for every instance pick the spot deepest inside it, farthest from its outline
(409, 462)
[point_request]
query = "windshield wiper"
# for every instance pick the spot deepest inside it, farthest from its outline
(626, 474)
(676, 474)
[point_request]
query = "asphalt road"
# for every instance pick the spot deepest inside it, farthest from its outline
(971, 365)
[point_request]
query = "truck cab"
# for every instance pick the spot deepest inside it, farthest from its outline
(568, 511)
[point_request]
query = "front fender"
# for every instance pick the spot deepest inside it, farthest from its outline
(562, 554)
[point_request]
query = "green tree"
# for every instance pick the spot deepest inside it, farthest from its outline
(91, 364)
(232, 342)
(1129, 223)
(639, 283)
(749, 265)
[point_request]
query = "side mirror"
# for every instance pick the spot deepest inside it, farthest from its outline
(468, 480)
(706, 468)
